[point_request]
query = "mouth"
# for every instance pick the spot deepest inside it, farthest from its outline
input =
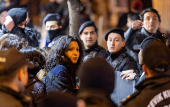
(75, 58)
(112, 47)
(89, 40)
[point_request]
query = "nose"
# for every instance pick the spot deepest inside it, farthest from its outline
(112, 42)
(76, 52)
(151, 20)
(89, 35)
(23, 26)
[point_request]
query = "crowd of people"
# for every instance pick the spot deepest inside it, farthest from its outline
(75, 71)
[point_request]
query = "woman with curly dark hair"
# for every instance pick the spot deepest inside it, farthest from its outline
(63, 61)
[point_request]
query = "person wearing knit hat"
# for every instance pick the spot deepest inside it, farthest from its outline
(97, 79)
(154, 90)
(88, 35)
(118, 57)
(15, 22)
(53, 28)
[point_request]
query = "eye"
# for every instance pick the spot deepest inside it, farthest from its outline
(92, 32)
(85, 33)
(117, 40)
(70, 49)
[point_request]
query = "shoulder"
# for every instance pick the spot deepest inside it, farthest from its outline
(59, 70)
(5, 98)
(100, 48)
(129, 98)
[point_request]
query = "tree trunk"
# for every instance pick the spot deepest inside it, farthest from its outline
(74, 6)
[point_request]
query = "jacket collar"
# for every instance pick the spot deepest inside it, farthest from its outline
(91, 48)
(115, 55)
(145, 32)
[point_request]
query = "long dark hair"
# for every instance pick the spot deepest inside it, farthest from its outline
(57, 53)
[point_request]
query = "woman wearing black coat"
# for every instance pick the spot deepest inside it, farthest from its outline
(64, 59)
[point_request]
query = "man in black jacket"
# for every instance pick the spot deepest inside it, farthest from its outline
(53, 28)
(154, 90)
(15, 23)
(88, 35)
(13, 79)
(118, 57)
(148, 24)
(120, 61)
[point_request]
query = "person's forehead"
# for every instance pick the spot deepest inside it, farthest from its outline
(114, 35)
(24, 22)
(89, 29)
(150, 14)
(4, 12)
(49, 23)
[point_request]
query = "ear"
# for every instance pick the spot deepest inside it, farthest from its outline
(159, 24)
(19, 74)
(145, 69)
(80, 36)
(60, 27)
(123, 43)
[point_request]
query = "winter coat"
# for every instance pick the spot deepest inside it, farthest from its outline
(121, 61)
(29, 34)
(152, 92)
(36, 89)
(10, 98)
(135, 37)
(93, 51)
(60, 79)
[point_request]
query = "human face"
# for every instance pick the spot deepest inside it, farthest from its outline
(51, 25)
(140, 57)
(115, 43)
(89, 37)
(2, 17)
(151, 22)
(73, 52)
(22, 24)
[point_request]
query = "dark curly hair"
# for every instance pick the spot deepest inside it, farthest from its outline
(12, 41)
(141, 15)
(33, 55)
(57, 53)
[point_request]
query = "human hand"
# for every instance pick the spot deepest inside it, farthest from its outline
(137, 24)
(130, 76)
(9, 23)
(125, 73)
